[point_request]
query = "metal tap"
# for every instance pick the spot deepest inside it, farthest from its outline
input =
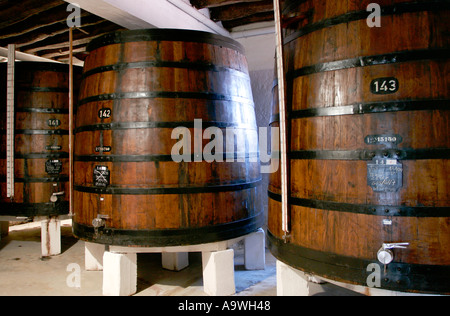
(54, 197)
(99, 222)
(386, 255)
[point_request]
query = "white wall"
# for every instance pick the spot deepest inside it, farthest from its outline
(260, 52)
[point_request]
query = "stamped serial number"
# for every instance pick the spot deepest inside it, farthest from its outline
(384, 85)
(383, 139)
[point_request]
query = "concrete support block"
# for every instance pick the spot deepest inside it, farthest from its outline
(51, 237)
(255, 251)
(119, 274)
(218, 273)
(291, 282)
(176, 261)
(94, 256)
(4, 229)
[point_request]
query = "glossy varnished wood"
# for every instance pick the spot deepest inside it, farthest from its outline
(160, 81)
(425, 180)
(41, 95)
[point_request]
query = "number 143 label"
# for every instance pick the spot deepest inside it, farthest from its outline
(384, 85)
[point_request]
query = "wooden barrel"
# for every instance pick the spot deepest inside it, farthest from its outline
(41, 140)
(369, 142)
(139, 86)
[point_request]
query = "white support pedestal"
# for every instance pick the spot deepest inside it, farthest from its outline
(51, 237)
(255, 251)
(119, 274)
(175, 261)
(50, 231)
(4, 229)
(120, 268)
(218, 273)
(93, 256)
(291, 282)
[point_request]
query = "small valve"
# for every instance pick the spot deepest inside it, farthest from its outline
(386, 255)
(54, 197)
(98, 223)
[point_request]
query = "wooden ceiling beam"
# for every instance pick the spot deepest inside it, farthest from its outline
(55, 15)
(61, 52)
(260, 17)
(19, 11)
(201, 4)
(241, 10)
(49, 31)
(62, 40)
(138, 14)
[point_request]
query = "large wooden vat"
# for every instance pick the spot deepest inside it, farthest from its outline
(138, 87)
(369, 143)
(41, 140)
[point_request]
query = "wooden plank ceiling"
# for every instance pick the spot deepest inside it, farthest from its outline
(233, 13)
(39, 27)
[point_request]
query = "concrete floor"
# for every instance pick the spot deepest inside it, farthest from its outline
(24, 273)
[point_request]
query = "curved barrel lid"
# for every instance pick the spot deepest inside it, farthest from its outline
(175, 35)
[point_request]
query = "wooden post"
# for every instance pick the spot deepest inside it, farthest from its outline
(71, 118)
(10, 121)
(283, 122)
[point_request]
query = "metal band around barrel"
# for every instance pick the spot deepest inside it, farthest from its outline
(42, 180)
(38, 180)
(168, 35)
(201, 66)
(170, 237)
(32, 210)
(290, 5)
(41, 132)
(43, 110)
(376, 210)
(43, 89)
(384, 59)
(370, 108)
(397, 277)
(400, 154)
(168, 191)
(31, 66)
(399, 8)
(165, 94)
(156, 158)
(60, 155)
(171, 125)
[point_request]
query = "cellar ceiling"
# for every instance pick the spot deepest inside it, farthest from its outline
(39, 27)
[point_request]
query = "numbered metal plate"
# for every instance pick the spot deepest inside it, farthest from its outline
(385, 175)
(385, 85)
(54, 123)
(53, 147)
(103, 149)
(53, 166)
(102, 176)
(383, 140)
(105, 113)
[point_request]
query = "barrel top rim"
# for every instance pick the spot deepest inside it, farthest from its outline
(43, 66)
(176, 35)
